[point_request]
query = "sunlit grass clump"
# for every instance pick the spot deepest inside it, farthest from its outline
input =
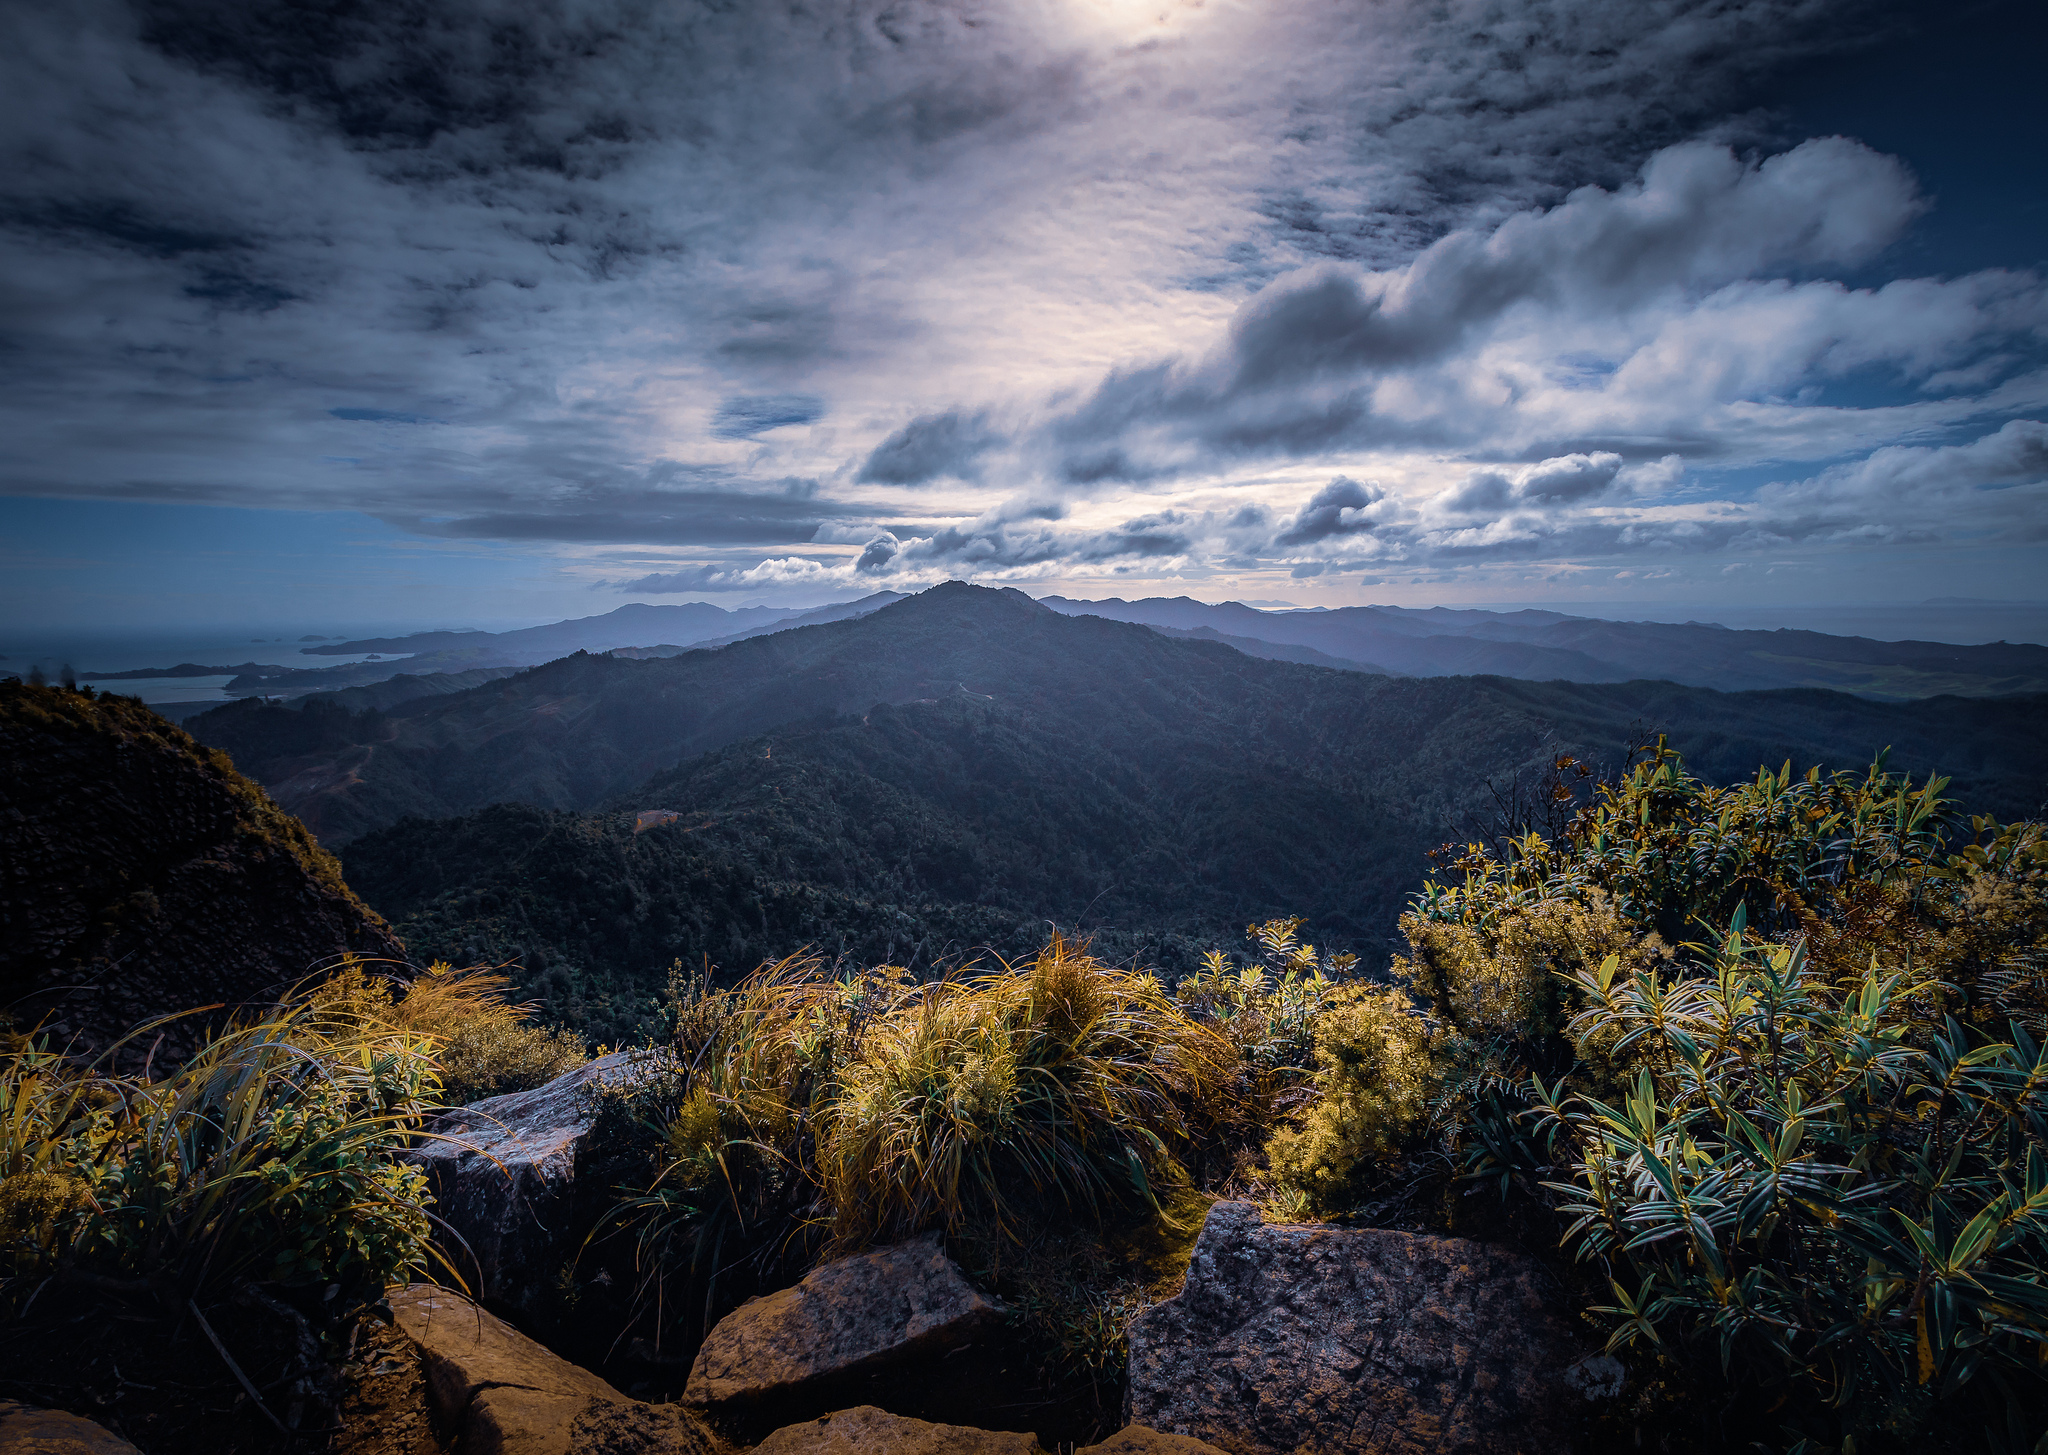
(873, 1107)
(484, 1044)
(268, 1156)
(271, 1155)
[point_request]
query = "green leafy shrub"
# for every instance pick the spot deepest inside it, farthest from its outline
(1813, 1184)
(1772, 1054)
(267, 1156)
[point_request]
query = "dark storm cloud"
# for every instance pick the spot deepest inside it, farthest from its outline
(1564, 480)
(1342, 507)
(931, 447)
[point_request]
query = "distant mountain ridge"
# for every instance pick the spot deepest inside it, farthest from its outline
(631, 625)
(1548, 645)
(574, 732)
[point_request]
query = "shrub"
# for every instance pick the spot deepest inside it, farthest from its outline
(1814, 1185)
(267, 1156)
(1772, 1052)
(1374, 1084)
(1853, 863)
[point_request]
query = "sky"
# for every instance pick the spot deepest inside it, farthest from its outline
(492, 311)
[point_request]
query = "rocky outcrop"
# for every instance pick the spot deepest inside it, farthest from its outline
(141, 875)
(800, 1350)
(496, 1392)
(1144, 1440)
(505, 1176)
(865, 1430)
(26, 1430)
(1315, 1339)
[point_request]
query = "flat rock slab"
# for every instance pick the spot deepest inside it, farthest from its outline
(500, 1393)
(1144, 1440)
(504, 1175)
(1303, 1338)
(865, 1430)
(28, 1430)
(788, 1351)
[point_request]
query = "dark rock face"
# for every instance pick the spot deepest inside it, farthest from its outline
(140, 875)
(865, 1430)
(1303, 1338)
(497, 1392)
(795, 1352)
(505, 1177)
(1144, 1440)
(26, 1430)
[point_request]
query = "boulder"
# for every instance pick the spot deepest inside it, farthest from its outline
(505, 1171)
(1304, 1338)
(865, 1430)
(496, 1392)
(801, 1350)
(27, 1430)
(1144, 1440)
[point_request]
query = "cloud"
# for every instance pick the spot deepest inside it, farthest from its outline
(749, 415)
(1018, 289)
(930, 447)
(1342, 507)
(1565, 480)
(1316, 360)
(783, 572)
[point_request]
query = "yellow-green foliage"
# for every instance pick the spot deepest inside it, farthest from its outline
(887, 1106)
(1853, 865)
(1776, 1052)
(1506, 977)
(1374, 1084)
(1042, 1115)
(483, 1044)
(267, 1155)
(1069, 1084)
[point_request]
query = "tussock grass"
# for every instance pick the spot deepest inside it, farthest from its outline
(267, 1156)
(484, 1044)
(808, 1115)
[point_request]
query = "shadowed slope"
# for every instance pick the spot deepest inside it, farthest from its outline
(145, 876)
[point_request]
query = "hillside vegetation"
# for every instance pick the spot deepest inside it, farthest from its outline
(144, 874)
(1770, 1061)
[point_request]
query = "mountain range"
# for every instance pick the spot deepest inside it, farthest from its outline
(1546, 645)
(1439, 641)
(957, 768)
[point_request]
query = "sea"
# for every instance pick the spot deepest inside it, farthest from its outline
(103, 651)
